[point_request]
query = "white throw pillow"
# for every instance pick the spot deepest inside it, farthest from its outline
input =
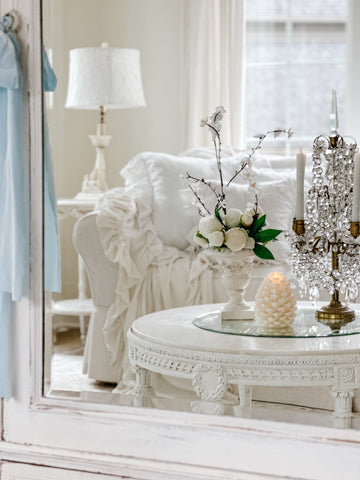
(237, 155)
(276, 198)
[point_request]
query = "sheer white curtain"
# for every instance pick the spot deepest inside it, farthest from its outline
(213, 68)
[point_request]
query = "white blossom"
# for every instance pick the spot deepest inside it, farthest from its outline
(200, 241)
(247, 218)
(208, 225)
(236, 239)
(202, 189)
(218, 115)
(232, 217)
(216, 239)
(183, 180)
(250, 208)
(252, 188)
(250, 243)
(248, 173)
(215, 122)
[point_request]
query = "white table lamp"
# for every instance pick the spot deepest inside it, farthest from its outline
(102, 78)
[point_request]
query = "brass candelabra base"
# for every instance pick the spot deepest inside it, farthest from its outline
(355, 229)
(299, 226)
(335, 315)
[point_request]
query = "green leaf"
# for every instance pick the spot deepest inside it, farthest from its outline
(198, 234)
(218, 216)
(263, 252)
(267, 235)
(257, 225)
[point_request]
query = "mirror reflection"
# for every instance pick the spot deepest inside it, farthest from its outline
(126, 85)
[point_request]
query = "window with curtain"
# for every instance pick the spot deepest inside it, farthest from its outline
(296, 53)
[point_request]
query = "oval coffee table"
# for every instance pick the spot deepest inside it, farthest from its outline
(167, 342)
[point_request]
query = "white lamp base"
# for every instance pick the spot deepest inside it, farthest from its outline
(95, 182)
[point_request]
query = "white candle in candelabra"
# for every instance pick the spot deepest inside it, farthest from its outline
(355, 214)
(334, 119)
(300, 174)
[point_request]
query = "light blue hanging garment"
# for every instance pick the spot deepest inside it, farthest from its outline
(52, 266)
(14, 192)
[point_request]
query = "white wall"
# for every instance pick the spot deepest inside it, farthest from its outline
(153, 27)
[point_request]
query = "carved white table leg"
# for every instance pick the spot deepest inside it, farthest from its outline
(343, 400)
(245, 395)
(142, 387)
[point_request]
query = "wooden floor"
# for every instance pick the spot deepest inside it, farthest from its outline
(67, 367)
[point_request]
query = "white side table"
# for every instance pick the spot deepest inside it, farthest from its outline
(167, 342)
(81, 306)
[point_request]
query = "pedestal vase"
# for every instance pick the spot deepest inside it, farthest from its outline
(236, 270)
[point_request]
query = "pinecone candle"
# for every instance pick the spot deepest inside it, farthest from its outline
(275, 305)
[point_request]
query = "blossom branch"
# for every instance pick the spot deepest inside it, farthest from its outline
(261, 139)
(219, 167)
(199, 200)
(204, 182)
(256, 203)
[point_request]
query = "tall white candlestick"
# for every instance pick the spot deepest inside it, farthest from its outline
(300, 174)
(334, 119)
(355, 214)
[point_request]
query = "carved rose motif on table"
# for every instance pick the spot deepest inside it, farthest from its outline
(347, 375)
(209, 381)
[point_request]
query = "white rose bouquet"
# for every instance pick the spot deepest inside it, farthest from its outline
(233, 228)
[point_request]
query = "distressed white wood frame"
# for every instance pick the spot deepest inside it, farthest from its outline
(127, 442)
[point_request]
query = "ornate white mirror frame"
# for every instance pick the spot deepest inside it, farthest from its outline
(124, 441)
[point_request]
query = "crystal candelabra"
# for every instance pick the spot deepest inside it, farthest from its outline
(325, 247)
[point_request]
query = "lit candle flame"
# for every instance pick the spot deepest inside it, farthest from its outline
(276, 277)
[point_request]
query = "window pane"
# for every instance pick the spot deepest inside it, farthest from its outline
(266, 42)
(310, 104)
(300, 8)
(295, 56)
(265, 101)
(266, 8)
(315, 9)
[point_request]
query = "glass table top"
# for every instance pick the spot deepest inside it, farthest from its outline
(304, 326)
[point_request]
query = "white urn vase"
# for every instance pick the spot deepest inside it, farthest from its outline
(236, 270)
